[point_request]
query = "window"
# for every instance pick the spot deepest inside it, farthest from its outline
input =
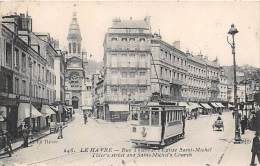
(142, 90)
(124, 74)
(23, 87)
(142, 73)
(132, 91)
(23, 62)
(124, 39)
(114, 90)
(132, 74)
(132, 39)
(39, 71)
(8, 54)
(155, 118)
(16, 85)
(69, 47)
(79, 48)
(42, 73)
(124, 91)
(16, 58)
(144, 118)
(113, 39)
(143, 55)
(74, 47)
(142, 39)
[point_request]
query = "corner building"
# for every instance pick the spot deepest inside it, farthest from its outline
(126, 66)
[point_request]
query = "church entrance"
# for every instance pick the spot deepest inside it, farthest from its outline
(75, 102)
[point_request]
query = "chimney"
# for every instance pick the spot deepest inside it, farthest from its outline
(177, 44)
(56, 44)
(147, 19)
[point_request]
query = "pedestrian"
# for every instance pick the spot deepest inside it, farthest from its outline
(243, 125)
(25, 136)
(183, 122)
(8, 144)
(85, 118)
(233, 114)
(60, 133)
(255, 149)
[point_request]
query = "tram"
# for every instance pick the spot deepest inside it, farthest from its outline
(159, 124)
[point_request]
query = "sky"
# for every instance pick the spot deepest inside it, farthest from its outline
(200, 26)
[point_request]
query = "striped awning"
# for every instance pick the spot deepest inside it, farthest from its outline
(220, 105)
(205, 105)
(214, 105)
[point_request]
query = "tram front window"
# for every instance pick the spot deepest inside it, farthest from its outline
(155, 118)
(144, 118)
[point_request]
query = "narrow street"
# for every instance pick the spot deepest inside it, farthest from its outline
(201, 145)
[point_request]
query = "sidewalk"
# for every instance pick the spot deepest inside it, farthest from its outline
(18, 144)
(238, 154)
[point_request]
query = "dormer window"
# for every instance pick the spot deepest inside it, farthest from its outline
(113, 39)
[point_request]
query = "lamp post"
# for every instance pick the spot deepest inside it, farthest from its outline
(232, 31)
(30, 94)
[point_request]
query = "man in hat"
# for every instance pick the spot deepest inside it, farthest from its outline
(255, 148)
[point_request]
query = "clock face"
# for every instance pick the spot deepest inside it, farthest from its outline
(74, 79)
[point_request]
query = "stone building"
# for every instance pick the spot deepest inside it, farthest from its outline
(26, 57)
(223, 86)
(168, 70)
(138, 63)
(126, 66)
(75, 74)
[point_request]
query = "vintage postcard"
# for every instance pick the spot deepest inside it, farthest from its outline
(129, 83)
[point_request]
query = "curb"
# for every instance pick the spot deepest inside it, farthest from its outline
(30, 142)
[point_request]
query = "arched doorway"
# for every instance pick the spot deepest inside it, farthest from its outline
(75, 102)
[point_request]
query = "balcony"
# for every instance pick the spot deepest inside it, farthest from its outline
(177, 81)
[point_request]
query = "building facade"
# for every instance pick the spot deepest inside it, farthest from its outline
(75, 74)
(126, 66)
(25, 61)
(168, 70)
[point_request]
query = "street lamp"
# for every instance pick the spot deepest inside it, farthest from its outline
(30, 94)
(232, 31)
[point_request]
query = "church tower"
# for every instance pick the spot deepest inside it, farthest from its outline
(74, 80)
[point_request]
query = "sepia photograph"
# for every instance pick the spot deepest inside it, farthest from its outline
(129, 83)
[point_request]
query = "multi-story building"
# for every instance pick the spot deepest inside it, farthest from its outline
(138, 63)
(75, 75)
(196, 78)
(223, 86)
(168, 70)
(126, 66)
(24, 66)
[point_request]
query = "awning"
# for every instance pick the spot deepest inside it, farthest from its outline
(220, 105)
(193, 106)
(47, 111)
(54, 108)
(206, 106)
(183, 104)
(66, 109)
(230, 105)
(118, 107)
(215, 105)
(24, 111)
(86, 108)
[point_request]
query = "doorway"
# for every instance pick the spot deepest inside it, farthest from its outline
(75, 102)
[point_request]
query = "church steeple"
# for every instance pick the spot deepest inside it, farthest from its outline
(74, 35)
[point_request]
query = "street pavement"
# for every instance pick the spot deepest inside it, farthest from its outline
(201, 146)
